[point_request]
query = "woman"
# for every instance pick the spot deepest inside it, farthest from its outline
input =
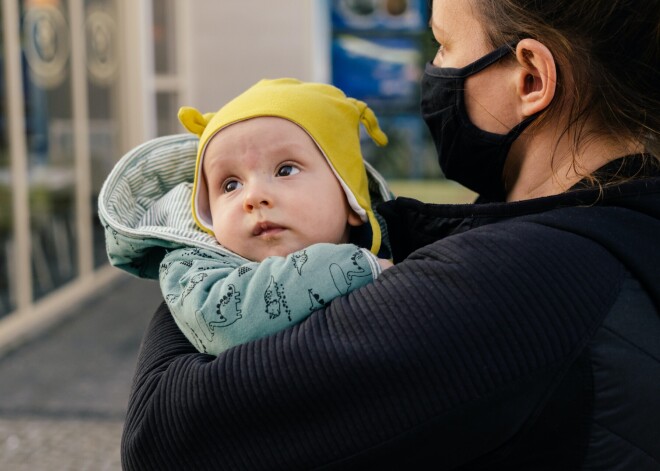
(518, 333)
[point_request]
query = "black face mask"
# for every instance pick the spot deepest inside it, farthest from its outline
(467, 154)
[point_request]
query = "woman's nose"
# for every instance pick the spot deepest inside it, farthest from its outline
(256, 196)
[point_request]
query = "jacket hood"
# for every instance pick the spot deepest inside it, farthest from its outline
(144, 204)
(626, 222)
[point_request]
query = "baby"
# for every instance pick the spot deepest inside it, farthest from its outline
(280, 182)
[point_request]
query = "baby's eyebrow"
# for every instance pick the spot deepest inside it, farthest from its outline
(211, 164)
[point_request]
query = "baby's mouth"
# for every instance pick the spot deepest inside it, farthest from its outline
(266, 228)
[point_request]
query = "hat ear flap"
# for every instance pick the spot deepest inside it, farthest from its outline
(194, 121)
(370, 122)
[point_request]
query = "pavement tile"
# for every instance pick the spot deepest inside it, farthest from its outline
(29, 444)
(63, 395)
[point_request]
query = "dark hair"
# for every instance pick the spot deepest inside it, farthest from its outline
(608, 49)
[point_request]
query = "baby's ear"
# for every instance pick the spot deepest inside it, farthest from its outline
(354, 219)
(194, 121)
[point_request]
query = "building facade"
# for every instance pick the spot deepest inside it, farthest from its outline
(82, 82)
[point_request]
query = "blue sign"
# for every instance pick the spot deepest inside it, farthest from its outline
(379, 15)
(377, 70)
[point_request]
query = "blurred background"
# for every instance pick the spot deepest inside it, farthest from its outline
(84, 81)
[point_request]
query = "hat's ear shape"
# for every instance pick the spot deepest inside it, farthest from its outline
(194, 121)
(370, 122)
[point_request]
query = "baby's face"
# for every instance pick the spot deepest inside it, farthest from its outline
(271, 191)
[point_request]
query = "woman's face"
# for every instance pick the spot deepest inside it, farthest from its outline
(490, 95)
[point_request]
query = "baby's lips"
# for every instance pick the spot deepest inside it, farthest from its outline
(265, 226)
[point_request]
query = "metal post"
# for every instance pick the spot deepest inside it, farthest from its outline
(81, 139)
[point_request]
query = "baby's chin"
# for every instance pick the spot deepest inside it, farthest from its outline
(265, 252)
(280, 246)
(277, 252)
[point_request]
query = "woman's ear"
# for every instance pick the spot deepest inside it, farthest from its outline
(537, 80)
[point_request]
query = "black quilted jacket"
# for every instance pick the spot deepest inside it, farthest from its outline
(517, 336)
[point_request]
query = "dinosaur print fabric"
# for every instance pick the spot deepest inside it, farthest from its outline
(219, 301)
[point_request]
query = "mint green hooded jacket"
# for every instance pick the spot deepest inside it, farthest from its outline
(218, 298)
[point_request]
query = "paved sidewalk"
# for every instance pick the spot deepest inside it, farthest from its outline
(63, 396)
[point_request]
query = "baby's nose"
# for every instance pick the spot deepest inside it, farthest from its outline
(257, 196)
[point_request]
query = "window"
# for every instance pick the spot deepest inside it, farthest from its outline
(166, 66)
(101, 40)
(7, 302)
(50, 143)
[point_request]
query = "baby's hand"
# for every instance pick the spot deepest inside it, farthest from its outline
(384, 264)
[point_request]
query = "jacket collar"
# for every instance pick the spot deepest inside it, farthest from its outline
(413, 224)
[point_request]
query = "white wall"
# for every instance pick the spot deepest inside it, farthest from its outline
(231, 44)
(136, 79)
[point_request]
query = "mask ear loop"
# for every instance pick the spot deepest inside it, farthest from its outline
(474, 67)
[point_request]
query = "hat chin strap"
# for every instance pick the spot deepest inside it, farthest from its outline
(350, 197)
(200, 210)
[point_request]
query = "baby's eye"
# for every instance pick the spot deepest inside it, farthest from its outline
(287, 170)
(231, 185)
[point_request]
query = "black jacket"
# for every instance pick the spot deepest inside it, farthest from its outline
(508, 336)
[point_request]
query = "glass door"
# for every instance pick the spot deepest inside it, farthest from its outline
(46, 46)
(102, 64)
(7, 300)
(166, 67)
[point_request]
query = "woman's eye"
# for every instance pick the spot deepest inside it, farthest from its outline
(287, 170)
(231, 185)
(435, 44)
(439, 52)
(433, 41)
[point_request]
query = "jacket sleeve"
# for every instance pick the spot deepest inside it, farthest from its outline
(219, 302)
(445, 357)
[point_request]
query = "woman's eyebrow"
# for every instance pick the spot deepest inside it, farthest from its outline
(435, 26)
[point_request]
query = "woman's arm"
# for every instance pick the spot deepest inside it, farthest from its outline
(444, 357)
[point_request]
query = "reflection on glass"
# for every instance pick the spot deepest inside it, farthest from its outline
(164, 36)
(361, 7)
(7, 302)
(102, 62)
(50, 141)
(166, 112)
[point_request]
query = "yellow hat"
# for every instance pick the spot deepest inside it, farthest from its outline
(330, 118)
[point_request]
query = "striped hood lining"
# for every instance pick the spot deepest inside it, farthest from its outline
(144, 204)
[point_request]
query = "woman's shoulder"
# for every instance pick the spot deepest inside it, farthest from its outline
(520, 242)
